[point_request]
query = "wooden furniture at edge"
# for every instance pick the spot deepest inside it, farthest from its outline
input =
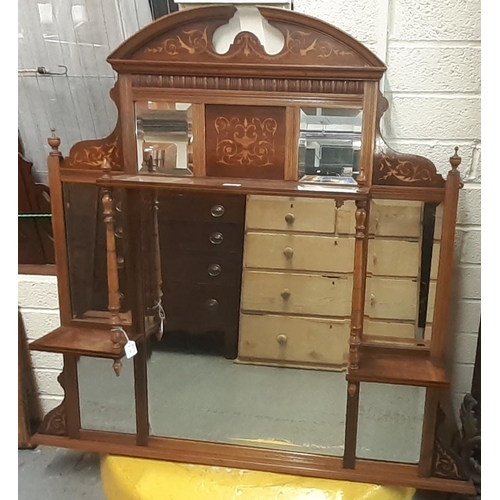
(174, 59)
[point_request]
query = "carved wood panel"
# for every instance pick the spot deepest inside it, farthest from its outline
(391, 168)
(245, 141)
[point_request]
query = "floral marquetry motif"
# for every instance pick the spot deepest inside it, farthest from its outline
(91, 154)
(188, 42)
(245, 141)
(391, 168)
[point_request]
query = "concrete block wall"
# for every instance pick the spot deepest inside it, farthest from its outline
(433, 84)
(39, 305)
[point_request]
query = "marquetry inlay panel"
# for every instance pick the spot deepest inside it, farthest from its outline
(245, 141)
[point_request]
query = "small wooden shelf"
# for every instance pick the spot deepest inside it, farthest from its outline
(232, 186)
(79, 341)
(399, 369)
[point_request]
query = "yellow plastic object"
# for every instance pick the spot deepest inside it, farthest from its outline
(138, 479)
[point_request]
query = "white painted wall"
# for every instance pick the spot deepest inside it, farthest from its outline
(432, 50)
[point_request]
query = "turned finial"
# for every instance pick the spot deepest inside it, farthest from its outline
(455, 160)
(117, 367)
(106, 169)
(54, 143)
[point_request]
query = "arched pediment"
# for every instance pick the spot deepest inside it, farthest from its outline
(186, 39)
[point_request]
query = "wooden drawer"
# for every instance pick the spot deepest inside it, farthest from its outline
(396, 218)
(436, 249)
(431, 302)
(200, 237)
(191, 309)
(194, 268)
(299, 252)
(381, 328)
(310, 215)
(393, 257)
(296, 293)
(391, 298)
(288, 339)
(215, 208)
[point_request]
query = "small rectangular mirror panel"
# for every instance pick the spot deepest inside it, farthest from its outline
(164, 137)
(329, 145)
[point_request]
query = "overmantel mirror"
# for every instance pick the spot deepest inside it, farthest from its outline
(284, 275)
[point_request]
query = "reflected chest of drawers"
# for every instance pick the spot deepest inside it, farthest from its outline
(297, 282)
(201, 237)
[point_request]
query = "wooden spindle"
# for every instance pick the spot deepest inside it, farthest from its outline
(358, 290)
(157, 261)
(114, 295)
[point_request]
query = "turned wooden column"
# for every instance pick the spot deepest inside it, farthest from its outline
(114, 294)
(359, 284)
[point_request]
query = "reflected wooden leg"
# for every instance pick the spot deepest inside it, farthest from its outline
(351, 428)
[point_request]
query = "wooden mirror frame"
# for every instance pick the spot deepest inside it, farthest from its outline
(173, 59)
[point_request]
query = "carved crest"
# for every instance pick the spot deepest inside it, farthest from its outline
(187, 37)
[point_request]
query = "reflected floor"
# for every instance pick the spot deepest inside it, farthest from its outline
(209, 398)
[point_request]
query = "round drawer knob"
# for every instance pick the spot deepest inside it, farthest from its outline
(214, 269)
(288, 252)
(216, 238)
(286, 293)
(290, 218)
(282, 339)
(217, 211)
(119, 232)
(212, 304)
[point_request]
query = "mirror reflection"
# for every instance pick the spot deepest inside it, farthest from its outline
(86, 242)
(329, 144)
(403, 256)
(107, 402)
(390, 422)
(195, 393)
(164, 137)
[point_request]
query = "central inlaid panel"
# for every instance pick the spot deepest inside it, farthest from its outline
(245, 141)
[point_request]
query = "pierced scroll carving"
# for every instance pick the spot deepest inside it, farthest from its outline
(297, 43)
(399, 169)
(456, 451)
(54, 422)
